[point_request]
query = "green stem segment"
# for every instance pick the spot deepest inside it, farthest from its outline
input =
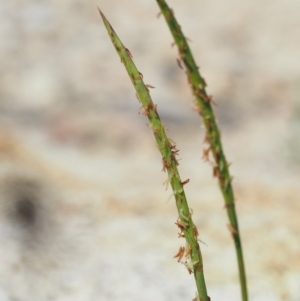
(204, 107)
(168, 151)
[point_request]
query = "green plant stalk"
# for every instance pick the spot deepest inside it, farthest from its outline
(213, 138)
(168, 151)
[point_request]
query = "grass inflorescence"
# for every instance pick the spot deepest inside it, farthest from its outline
(203, 103)
(191, 251)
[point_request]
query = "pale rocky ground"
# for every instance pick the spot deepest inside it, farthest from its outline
(71, 139)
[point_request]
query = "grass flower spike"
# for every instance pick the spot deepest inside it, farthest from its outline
(168, 150)
(213, 139)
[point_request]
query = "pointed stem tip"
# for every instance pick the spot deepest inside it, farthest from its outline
(101, 14)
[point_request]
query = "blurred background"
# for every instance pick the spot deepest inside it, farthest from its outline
(84, 214)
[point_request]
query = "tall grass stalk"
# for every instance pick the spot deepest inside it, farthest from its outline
(213, 139)
(191, 252)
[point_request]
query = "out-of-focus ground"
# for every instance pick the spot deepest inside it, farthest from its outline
(73, 147)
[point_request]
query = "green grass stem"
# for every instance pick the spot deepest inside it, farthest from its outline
(168, 151)
(204, 107)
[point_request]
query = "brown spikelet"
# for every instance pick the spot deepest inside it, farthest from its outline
(180, 253)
